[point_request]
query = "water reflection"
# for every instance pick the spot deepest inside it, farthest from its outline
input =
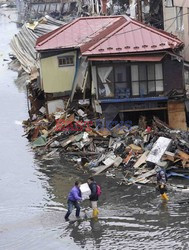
(87, 233)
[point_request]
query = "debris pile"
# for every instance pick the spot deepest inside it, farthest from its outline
(134, 150)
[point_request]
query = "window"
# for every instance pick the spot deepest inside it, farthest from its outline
(186, 75)
(122, 80)
(147, 79)
(169, 3)
(65, 61)
(179, 18)
(188, 18)
(105, 81)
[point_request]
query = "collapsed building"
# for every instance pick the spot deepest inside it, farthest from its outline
(122, 67)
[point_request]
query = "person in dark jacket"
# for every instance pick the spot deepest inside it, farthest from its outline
(93, 197)
(73, 198)
(161, 182)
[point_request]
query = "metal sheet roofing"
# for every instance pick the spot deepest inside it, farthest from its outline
(108, 35)
(76, 33)
(133, 36)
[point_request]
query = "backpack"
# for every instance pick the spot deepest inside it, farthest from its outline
(98, 190)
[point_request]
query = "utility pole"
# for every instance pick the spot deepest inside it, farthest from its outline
(139, 10)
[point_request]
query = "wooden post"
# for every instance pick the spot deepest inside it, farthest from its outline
(139, 10)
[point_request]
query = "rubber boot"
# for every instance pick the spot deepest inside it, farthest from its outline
(95, 212)
(164, 197)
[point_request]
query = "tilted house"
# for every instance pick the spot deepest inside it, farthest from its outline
(129, 68)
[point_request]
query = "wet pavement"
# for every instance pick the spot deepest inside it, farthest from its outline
(33, 191)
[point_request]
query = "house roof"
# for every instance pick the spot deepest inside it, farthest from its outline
(76, 33)
(108, 35)
(133, 36)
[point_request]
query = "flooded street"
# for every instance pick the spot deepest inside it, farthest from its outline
(33, 191)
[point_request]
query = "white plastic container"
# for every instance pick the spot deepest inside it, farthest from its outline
(85, 191)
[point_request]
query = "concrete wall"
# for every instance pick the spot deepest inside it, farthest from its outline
(56, 79)
(170, 25)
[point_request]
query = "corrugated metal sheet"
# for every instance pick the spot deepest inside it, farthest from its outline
(23, 43)
(133, 36)
(108, 35)
(76, 33)
(138, 58)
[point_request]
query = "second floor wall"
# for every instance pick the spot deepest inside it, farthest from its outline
(123, 80)
(57, 72)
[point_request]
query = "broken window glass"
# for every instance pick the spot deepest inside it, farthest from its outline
(106, 83)
(104, 72)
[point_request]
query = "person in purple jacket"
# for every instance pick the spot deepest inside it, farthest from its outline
(73, 198)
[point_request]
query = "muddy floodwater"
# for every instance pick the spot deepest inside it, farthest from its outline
(33, 191)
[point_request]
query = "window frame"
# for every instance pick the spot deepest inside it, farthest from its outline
(179, 18)
(169, 3)
(97, 77)
(130, 83)
(60, 65)
(148, 80)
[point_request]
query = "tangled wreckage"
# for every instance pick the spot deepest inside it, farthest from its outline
(103, 90)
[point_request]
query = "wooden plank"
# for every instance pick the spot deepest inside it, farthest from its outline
(169, 156)
(66, 142)
(183, 156)
(142, 177)
(102, 168)
(141, 160)
(136, 149)
(177, 115)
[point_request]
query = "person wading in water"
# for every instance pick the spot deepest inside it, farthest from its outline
(95, 193)
(161, 182)
(73, 198)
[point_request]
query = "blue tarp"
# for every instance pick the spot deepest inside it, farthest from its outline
(174, 174)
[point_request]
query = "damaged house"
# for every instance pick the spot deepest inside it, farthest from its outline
(124, 67)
